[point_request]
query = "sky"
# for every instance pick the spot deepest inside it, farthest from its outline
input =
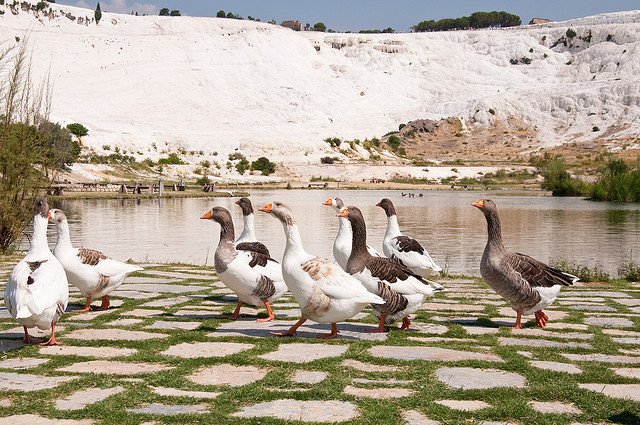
(354, 15)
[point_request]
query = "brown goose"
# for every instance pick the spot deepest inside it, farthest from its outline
(254, 277)
(247, 240)
(528, 284)
(402, 290)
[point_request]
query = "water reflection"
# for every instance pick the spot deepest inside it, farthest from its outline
(444, 221)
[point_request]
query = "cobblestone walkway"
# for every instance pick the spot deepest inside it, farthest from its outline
(166, 353)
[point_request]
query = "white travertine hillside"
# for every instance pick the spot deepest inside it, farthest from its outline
(218, 84)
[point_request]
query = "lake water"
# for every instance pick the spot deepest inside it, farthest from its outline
(454, 232)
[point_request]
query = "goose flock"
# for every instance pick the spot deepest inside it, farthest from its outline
(395, 284)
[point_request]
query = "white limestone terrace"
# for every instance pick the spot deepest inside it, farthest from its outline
(218, 85)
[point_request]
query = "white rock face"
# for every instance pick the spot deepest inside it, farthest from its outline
(220, 84)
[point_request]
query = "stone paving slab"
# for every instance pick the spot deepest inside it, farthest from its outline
(167, 302)
(114, 334)
(548, 333)
(170, 409)
(198, 314)
(206, 349)
(556, 367)
(228, 375)
(537, 342)
(83, 398)
(304, 353)
(134, 294)
(89, 315)
(178, 275)
(305, 411)
(253, 329)
(162, 287)
(378, 393)
(39, 420)
(125, 322)
(368, 367)
(144, 312)
(18, 333)
(430, 353)
(625, 372)
(554, 407)
(23, 382)
(21, 363)
(173, 392)
(413, 417)
(464, 405)
(623, 391)
(174, 325)
(454, 307)
(99, 352)
(115, 368)
(132, 280)
(603, 358)
(467, 378)
(308, 377)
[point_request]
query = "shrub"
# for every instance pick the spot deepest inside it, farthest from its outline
(106, 147)
(41, 5)
(514, 61)
(327, 160)
(236, 156)
(630, 270)
(584, 273)
(334, 142)
(77, 129)
(242, 166)
(618, 183)
(401, 126)
(394, 142)
(205, 164)
(492, 111)
(203, 180)
(595, 128)
(172, 159)
(571, 33)
(556, 177)
(525, 60)
(610, 37)
(98, 14)
(263, 164)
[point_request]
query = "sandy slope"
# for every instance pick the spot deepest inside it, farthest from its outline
(149, 84)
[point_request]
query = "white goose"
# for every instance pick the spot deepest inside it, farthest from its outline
(342, 243)
(402, 290)
(255, 277)
(88, 270)
(37, 291)
(324, 291)
(403, 248)
(247, 240)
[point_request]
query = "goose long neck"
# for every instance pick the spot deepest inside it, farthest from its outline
(248, 232)
(493, 229)
(294, 241)
(344, 227)
(227, 234)
(393, 229)
(64, 236)
(39, 238)
(358, 238)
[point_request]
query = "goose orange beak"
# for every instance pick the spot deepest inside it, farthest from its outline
(329, 202)
(379, 204)
(479, 204)
(344, 213)
(237, 202)
(206, 215)
(49, 215)
(267, 208)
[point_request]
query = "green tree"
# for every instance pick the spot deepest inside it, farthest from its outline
(221, 14)
(77, 129)
(175, 12)
(242, 166)
(164, 11)
(263, 164)
(98, 13)
(320, 27)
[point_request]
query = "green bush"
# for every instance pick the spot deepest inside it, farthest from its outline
(618, 183)
(201, 181)
(327, 160)
(236, 156)
(394, 142)
(584, 273)
(571, 33)
(77, 129)
(172, 159)
(556, 177)
(595, 128)
(40, 6)
(242, 166)
(205, 164)
(630, 270)
(263, 164)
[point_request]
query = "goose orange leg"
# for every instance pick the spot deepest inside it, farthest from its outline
(87, 306)
(236, 312)
(541, 318)
(28, 339)
(518, 324)
(270, 314)
(380, 327)
(105, 303)
(52, 340)
(405, 323)
(334, 332)
(292, 330)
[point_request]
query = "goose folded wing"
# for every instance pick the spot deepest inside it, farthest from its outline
(407, 244)
(258, 247)
(398, 277)
(537, 273)
(45, 286)
(335, 282)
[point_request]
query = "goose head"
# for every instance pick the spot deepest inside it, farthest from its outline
(336, 203)
(41, 207)
(218, 214)
(245, 204)
(487, 206)
(387, 206)
(56, 216)
(280, 211)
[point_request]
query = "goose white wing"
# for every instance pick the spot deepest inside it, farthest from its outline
(399, 278)
(336, 283)
(38, 286)
(411, 253)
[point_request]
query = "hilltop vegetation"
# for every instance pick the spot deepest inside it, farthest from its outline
(477, 20)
